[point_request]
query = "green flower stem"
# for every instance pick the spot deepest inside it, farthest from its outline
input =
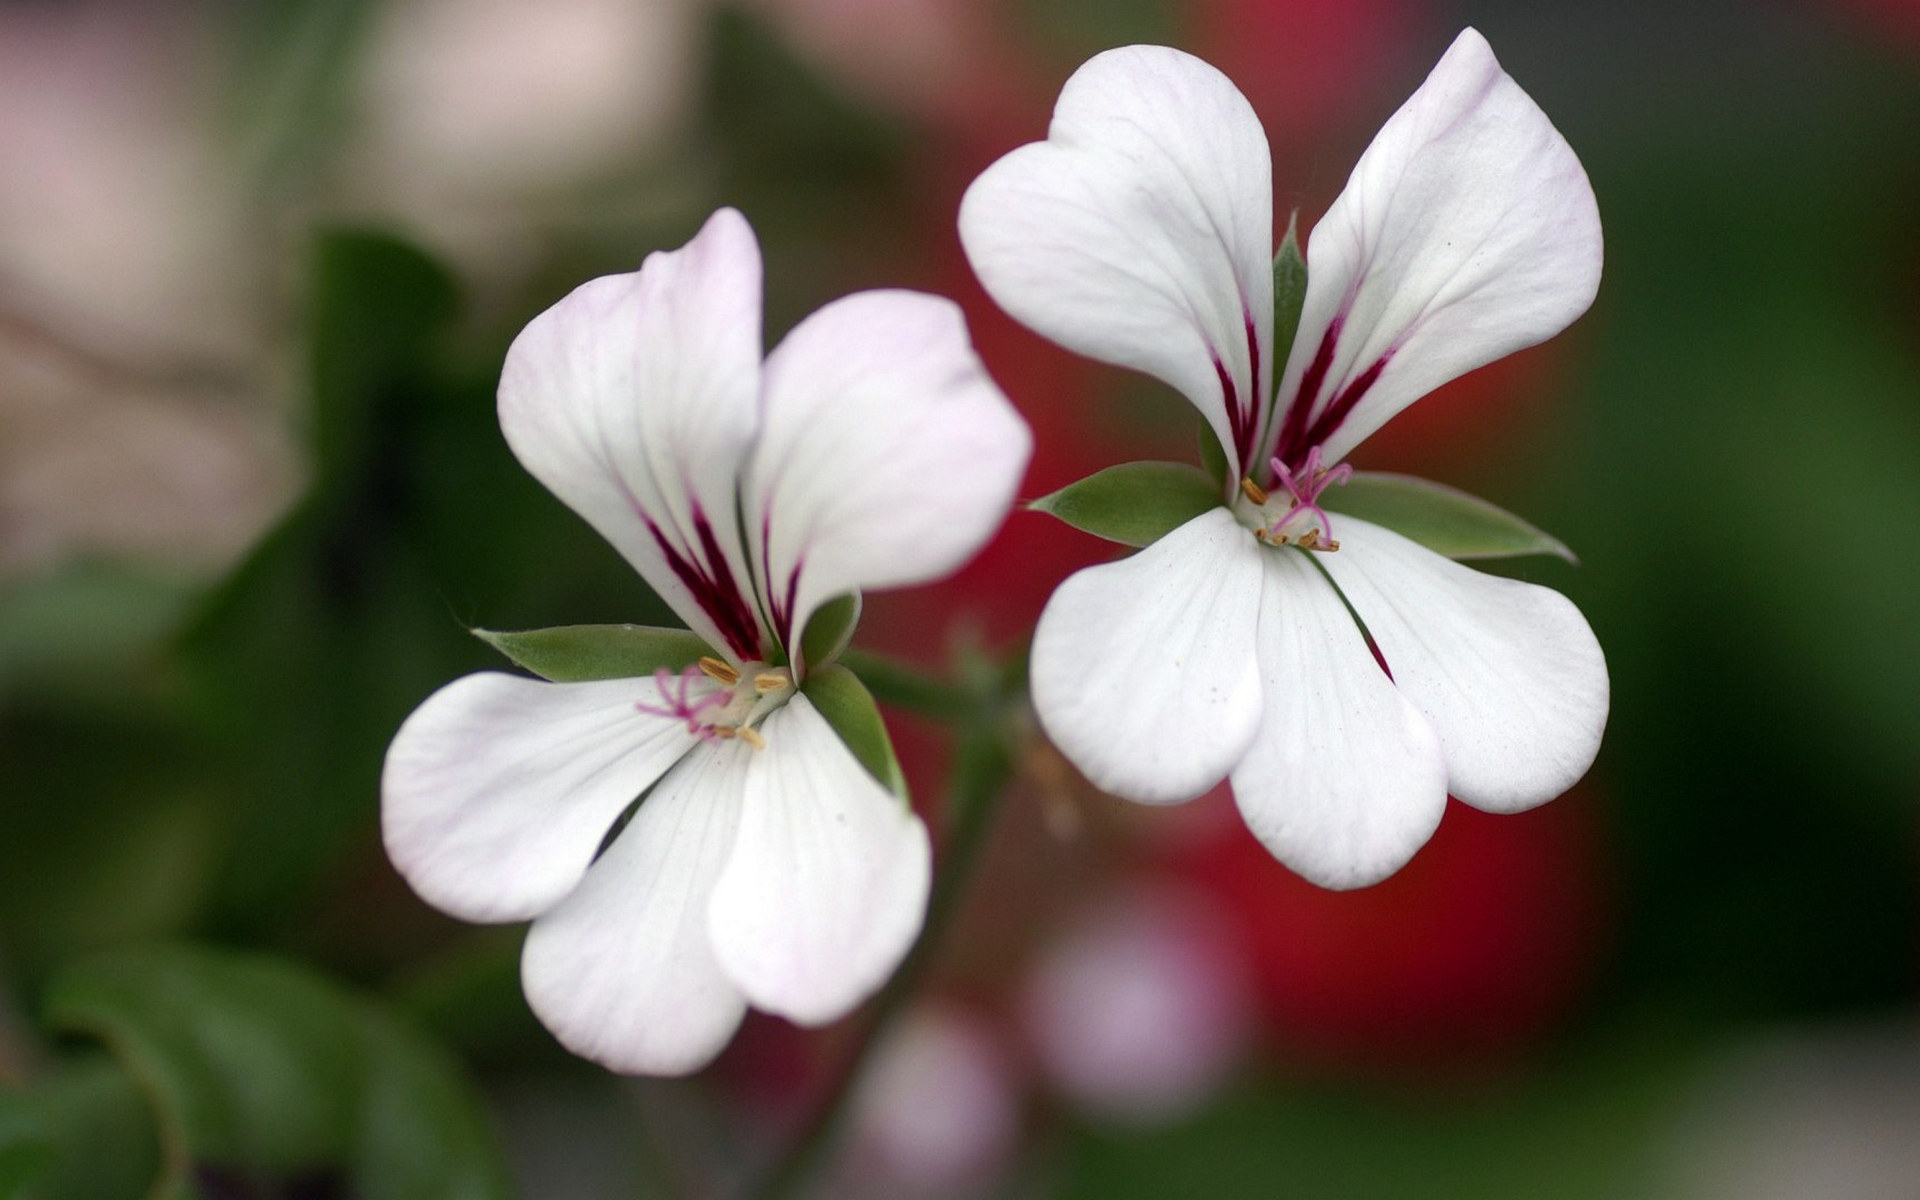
(905, 688)
(989, 750)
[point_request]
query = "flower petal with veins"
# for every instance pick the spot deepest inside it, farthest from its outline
(1143, 669)
(887, 455)
(622, 971)
(498, 789)
(1466, 231)
(1140, 233)
(827, 884)
(1345, 779)
(1509, 674)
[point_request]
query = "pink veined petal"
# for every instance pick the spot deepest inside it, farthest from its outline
(634, 400)
(827, 884)
(498, 789)
(1140, 233)
(622, 971)
(886, 457)
(1143, 670)
(1508, 674)
(1345, 779)
(1467, 231)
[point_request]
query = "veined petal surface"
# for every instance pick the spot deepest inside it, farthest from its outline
(498, 789)
(1467, 231)
(1143, 670)
(622, 971)
(827, 885)
(634, 400)
(1345, 779)
(886, 455)
(1509, 674)
(1140, 232)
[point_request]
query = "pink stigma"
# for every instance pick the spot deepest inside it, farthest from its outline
(1306, 489)
(681, 706)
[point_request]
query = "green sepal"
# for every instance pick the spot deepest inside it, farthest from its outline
(1289, 294)
(829, 630)
(1443, 519)
(577, 653)
(1134, 503)
(1213, 457)
(848, 706)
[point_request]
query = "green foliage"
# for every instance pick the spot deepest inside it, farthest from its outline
(847, 705)
(1135, 503)
(83, 1132)
(573, 653)
(829, 630)
(259, 1069)
(1443, 519)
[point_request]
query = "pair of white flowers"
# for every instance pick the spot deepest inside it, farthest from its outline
(1344, 677)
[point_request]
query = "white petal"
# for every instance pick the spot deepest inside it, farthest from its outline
(827, 885)
(887, 457)
(1143, 669)
(1345, 780)
(622, 971)
(498, 789)
(1507, 673)
(1467, 231)
(1141, 231)
(634, 400)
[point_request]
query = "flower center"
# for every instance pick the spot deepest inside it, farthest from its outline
(1293, 518)
(718, 700)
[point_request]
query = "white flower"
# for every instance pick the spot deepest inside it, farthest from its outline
(765, 865)
(1139, 233)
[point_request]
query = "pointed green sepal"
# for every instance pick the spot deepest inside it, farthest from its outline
(848, 707)
(1289, 294)
(577, 653)
(1213, 458)
(1134, 503)
(829, 630)
(1445, 520)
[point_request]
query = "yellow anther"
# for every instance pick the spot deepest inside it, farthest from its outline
(751, 737)
(1252, 490)
(772, 681)
(718, 671)
(1310, 540)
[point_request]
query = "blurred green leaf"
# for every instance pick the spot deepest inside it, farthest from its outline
(845, 702)
(260, 1069)
(1289, 293)
(574, 653)
(1134, 503)
(26, 1145)
(377, 309)
(82, 1132)
(1443, 519)
(829, 630)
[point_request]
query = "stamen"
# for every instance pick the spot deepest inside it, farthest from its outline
(772, 681)
(751, 737)
(1252, 490)
(1306, 489)
(681, 705)
(718, 671)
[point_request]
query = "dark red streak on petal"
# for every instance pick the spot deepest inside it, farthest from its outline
(1237, 421)
(1344, 404)
(713, 587)
(1294, 441)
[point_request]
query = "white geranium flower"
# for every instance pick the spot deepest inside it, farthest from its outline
(765, 865)
(1139, 233)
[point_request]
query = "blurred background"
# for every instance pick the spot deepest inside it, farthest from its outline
(258, 266)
